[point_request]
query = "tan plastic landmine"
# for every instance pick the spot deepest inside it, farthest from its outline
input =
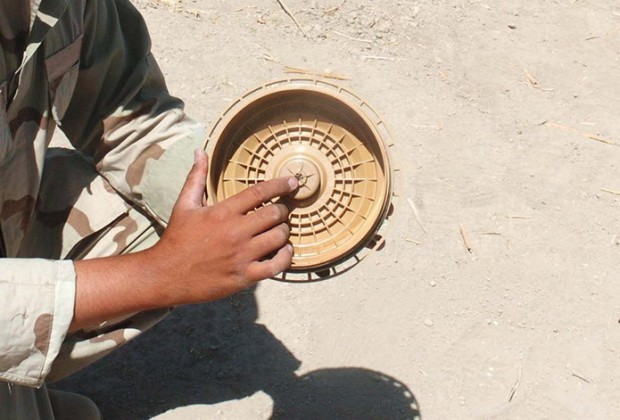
(334, 143)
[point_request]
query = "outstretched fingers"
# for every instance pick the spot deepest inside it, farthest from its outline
(270, 241)
(263, 192)
(280, 262)
(266, 218)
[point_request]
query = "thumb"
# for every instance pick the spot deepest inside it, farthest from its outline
(194, 189)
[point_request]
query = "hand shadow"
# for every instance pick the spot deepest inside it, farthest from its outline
(210, 353)
(343, 393)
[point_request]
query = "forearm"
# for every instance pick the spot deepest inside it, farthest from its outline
(111, 287)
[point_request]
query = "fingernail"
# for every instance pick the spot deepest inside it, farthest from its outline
(290, 248)
(293, 183)
(197, 153)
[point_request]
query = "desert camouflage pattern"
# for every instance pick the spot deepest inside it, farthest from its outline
(83, 66)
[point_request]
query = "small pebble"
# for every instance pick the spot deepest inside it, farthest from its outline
(432, 283)
(428, 322)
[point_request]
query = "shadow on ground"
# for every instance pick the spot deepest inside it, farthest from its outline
(206, 354)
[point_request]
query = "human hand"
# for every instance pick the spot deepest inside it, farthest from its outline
(210, 252)
(206, 253)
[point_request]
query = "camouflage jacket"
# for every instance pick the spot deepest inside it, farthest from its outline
(84, 66)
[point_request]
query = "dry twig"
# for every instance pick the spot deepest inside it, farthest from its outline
(580, 377)
(513, 391)
(295, 70)
(290, 14)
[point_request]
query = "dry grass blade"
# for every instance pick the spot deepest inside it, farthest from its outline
(352, 38)
(378, 57)
(241, 9)
(331, 11)
(466, 239)
(269, 57)
(415, 213)
(290, 14)
(295, 70)
(606, 35)
(585, 134)
(599, 138)
(532, 82)
(610, 191)
(530, 78)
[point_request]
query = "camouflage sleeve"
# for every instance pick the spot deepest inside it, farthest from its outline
(122, 115)
(36, 309)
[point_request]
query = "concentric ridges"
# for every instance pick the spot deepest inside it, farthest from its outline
(343, 156)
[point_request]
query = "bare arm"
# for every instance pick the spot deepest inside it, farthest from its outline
(206, 253)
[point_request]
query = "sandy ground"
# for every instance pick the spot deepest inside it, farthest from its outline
(505, 114)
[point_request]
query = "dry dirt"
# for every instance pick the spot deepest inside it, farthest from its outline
(506, 118)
